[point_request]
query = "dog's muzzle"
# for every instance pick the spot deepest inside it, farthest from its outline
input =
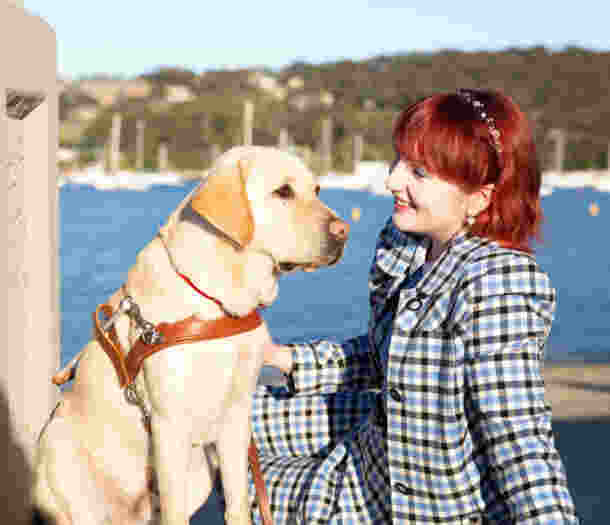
(338, 232)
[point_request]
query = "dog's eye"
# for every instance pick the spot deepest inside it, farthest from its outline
(284, 192)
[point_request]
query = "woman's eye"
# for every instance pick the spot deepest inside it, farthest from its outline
(284, 192)
(420, 173)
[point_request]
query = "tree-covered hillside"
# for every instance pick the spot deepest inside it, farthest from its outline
(567, 89)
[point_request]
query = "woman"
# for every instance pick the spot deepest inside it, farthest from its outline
(437, 415)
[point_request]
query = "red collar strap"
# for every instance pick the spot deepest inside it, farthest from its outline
(201, 292)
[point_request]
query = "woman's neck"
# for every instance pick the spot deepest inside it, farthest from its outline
(437, 247)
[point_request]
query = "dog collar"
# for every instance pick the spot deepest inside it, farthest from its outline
(201, 292)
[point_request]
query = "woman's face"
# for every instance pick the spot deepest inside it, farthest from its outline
(425, 203)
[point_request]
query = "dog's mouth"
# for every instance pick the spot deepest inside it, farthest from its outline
(286, 267)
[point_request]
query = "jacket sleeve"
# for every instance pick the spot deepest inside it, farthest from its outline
(327, 367)
(508, 314)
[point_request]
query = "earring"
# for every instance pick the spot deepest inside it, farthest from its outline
(470, 220)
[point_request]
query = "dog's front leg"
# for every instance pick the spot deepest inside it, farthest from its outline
(232, 449)
(171, 448)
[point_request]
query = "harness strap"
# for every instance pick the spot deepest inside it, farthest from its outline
(109, 341)
(189, 330)
(259, 484)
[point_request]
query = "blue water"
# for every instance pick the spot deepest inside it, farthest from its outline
(101, 233)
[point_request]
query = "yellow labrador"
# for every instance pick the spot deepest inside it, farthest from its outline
(256, 215)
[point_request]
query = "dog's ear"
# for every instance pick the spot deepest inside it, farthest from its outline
(223, 202)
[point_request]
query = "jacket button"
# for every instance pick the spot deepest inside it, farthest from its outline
(403, 489)
(395, 394)
(414, 304)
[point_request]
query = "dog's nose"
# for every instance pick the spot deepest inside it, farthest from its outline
(339, 229)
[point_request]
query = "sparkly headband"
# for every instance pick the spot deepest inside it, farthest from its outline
(481, 112)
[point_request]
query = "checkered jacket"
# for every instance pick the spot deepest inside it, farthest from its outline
(468, 430)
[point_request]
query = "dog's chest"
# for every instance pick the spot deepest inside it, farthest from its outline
(202, 385)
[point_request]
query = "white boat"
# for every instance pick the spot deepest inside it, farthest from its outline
(123, 180)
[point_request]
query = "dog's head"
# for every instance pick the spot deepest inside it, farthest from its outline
(265, 199)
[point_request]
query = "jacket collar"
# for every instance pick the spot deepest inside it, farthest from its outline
(402, 253)
(447, 270)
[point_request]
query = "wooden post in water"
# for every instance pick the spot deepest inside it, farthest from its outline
(204, 124)
(559, 136)
(326, 147)
(140, 127)
(307, 157)
(115, 143)
(214, 152)
(28, 162)
(284, 140)
(163, 157)
(248, 122)
(358, 148)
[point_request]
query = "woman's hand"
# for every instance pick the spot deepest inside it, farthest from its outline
(279, 356)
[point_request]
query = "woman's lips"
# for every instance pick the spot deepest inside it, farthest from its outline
(402, 205)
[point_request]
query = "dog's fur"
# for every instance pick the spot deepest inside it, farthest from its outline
(256, 213)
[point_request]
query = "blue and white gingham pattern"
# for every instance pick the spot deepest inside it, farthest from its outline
(435, 417)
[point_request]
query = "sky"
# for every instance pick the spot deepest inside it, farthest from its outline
(132, 37)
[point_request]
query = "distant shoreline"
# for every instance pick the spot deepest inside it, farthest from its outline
(369, 176)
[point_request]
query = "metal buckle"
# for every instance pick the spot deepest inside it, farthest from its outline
(133, 397)
(145, 330)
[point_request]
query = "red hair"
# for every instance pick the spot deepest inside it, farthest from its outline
(444, 134)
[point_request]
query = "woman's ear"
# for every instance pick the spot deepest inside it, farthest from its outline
(480, 199)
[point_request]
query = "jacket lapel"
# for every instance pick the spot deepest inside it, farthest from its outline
(443, 275)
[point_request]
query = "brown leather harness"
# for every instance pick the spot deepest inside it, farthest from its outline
(189, 330)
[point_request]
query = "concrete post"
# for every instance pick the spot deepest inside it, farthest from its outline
(140, 127)
(115, 143)
(326, 149)
(248, 122)
(28, 161)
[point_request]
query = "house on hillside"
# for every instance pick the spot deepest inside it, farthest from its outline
(178, 93)
(107, 90)
(268, 84)
(295, 82)
(306, 100)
